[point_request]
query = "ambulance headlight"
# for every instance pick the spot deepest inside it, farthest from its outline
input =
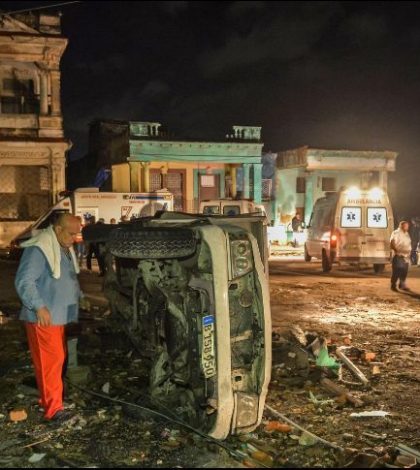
(353, 192)
(376, 193)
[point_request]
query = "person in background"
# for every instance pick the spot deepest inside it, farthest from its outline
(113, 221)
(91, 248)
(414, 232)
(297, 227)
(401, 246)
(79, 244)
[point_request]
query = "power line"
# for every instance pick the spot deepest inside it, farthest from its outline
(46, 7)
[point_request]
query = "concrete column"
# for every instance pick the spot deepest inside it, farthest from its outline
(364, 180)
(146, 177)
(383, 180)
(309, 197)
(246, 167)
(55, 93)
(44, 93)
(277, 196)
(134, 177)
(58, 180)
(257, 183)
(233, 181)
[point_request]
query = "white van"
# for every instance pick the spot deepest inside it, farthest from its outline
(90, 202)
(351, 226)
(231, 207)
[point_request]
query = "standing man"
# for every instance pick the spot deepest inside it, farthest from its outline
(401, 246)
(297, 227)
(48, 287)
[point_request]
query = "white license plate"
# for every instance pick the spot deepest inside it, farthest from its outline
(208, 355)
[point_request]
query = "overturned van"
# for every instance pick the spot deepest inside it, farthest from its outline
(192, 294)
(351, 226)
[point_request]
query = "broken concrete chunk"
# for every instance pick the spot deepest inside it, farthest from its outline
(370, 414)
(307, 440)
(263, 457)
(299, 335)
(35, 458)
(376, 370)
(18, 415)
(369, 356)
(405, 461)
(277, 426)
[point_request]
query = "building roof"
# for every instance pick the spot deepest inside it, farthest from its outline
(314, 158)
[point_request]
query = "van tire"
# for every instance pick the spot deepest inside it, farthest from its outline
(379, 268)
(326, 262)
(308, 257)
(152, 243)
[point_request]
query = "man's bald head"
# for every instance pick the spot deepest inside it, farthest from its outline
(66, 228)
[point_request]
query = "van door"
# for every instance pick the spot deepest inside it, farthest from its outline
(352, 234)
(320, 228)
(377, 233)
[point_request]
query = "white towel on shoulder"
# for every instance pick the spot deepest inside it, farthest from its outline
(46, 241)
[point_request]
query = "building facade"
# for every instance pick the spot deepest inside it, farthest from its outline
(304, 175)
(32, 144)
(143, 158)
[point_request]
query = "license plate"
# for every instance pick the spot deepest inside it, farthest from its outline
(208, 355)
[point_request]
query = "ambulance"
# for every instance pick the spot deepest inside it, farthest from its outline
(351, 226)
(90, 202)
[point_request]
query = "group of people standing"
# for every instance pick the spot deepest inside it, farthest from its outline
(89, 250)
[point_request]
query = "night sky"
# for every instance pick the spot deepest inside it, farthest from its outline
(325, 74)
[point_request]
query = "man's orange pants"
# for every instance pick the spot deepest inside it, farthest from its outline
(48, 350)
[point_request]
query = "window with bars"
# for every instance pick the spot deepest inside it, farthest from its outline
(328, 184)
(301, 185)
(155, 182)
(266, 188)
(24, 192)
(267, 185)
(18, 97)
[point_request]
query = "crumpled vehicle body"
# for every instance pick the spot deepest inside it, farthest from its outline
(193, 295)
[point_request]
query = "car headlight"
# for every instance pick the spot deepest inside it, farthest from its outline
(241, 255)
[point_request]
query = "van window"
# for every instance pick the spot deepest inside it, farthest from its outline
(351, 217)
(377, 217)
(231, 210)
(211, 210)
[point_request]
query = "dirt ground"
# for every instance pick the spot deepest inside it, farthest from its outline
(348, 303)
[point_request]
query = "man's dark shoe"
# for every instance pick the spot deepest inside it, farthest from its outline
(61, 417)
(394, 288)
(405, 289)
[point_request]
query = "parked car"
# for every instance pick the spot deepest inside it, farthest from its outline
(192, 294)
(352, 226)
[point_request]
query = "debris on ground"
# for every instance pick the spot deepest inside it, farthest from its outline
(370, 414)
(104, 434)
(18, 415)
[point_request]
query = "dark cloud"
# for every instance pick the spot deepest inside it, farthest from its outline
(289, 35)
(366, 29)
(173, 7)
